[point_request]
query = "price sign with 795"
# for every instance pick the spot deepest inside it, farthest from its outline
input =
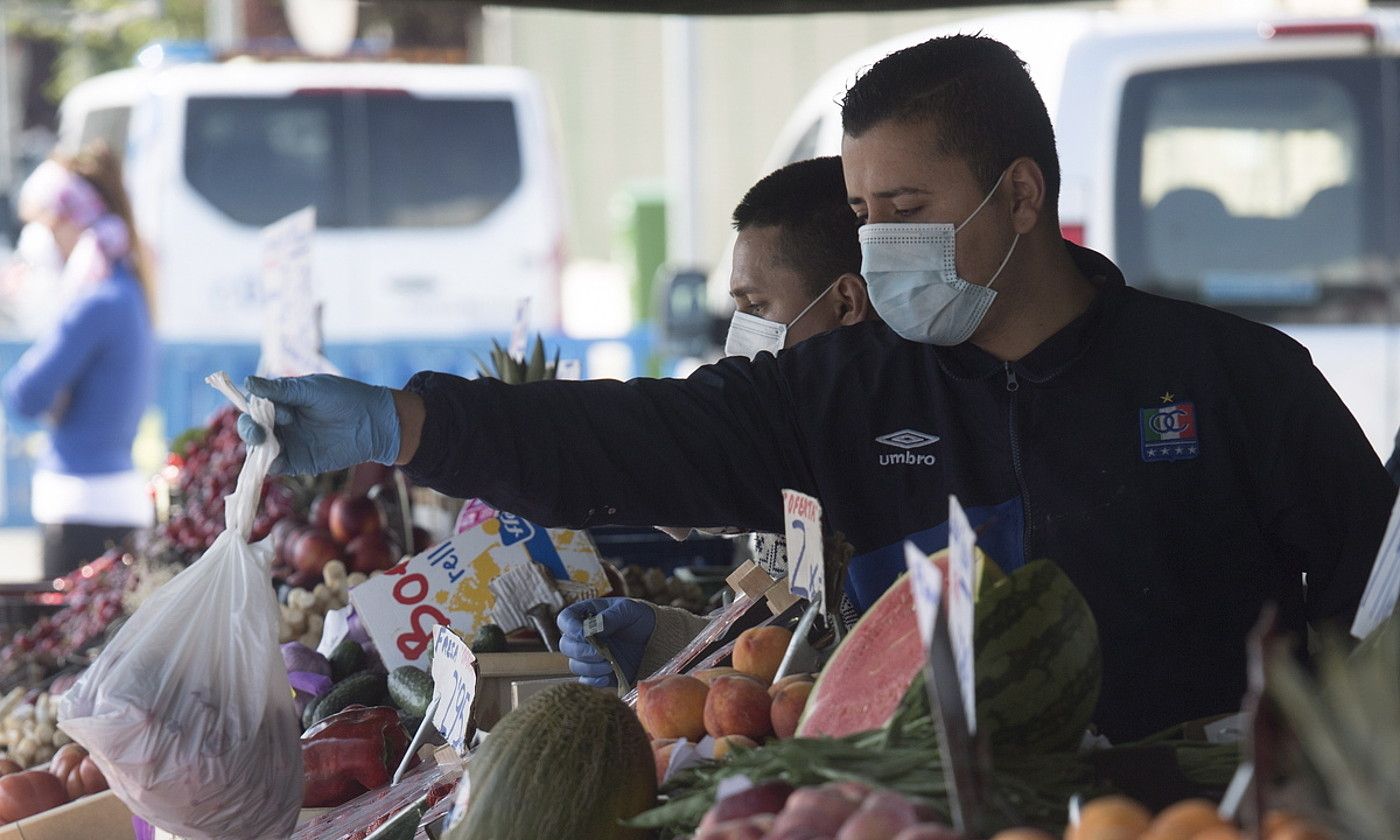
(454, 683)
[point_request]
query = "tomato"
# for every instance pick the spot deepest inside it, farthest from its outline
(29, 793)
(78, 772)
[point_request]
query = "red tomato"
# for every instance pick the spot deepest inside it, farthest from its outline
(29, 793)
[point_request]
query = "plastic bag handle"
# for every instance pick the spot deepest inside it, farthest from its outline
(241, 507)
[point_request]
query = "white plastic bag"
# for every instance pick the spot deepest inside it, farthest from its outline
(188, 711)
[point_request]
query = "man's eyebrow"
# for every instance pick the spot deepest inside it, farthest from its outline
(742, 291)
(856, 201)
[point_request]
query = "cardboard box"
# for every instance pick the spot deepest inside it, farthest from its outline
(101, 816)
(500, 672)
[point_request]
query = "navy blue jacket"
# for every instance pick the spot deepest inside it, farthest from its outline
(1184, 466)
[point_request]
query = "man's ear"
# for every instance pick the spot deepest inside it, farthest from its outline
(1027, 194)
(852, 300)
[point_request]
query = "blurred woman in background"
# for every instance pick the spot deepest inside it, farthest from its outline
(91, 376)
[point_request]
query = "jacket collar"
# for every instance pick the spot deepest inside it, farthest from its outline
(1058, 352)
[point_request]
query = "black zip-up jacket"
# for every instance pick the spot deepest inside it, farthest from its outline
(1184, 466)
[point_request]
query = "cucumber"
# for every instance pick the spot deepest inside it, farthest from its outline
(365, 688)
(308, 714)
(411, 689)
(347, 658)
(489, 639)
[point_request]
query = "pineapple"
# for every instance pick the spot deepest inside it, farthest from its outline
(514, 371)
(1347, 723)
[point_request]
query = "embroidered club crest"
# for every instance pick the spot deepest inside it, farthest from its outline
(1169, 432)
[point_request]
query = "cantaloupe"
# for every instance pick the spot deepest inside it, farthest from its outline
(573, 761)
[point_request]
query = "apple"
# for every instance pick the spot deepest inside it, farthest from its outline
(354, 516)
(314, 550)
(369, 553)
(320, 514)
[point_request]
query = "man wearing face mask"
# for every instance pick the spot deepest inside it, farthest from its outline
(795, 274)
(1182, 465)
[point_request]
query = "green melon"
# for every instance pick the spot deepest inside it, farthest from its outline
(573, 761)
(1037, 662)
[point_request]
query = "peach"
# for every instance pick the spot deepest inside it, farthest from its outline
(708, 675)
(738, 705)
(672, 707)
(1184, 820)
(767, 798)
(759, 651)
(728, 742)
(661, 751)
(787, 708)
(788, 680)
(822, 809)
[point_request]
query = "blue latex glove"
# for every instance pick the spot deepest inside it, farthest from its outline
(627, 625)
(325, 422)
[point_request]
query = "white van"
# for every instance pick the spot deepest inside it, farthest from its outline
(438, 195)
(1249, 164)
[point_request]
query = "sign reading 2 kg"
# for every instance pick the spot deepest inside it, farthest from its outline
(802, 517)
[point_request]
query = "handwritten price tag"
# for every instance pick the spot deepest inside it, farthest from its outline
(961, 575)
(927, 581)
(454, 684)
(806, 565)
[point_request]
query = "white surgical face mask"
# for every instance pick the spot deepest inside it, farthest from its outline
(750, 335)
(912, 276)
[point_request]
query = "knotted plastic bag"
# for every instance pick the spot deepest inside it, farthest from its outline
(188, 711)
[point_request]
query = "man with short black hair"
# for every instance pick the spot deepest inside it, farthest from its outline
(796, 259)
(1182, 465)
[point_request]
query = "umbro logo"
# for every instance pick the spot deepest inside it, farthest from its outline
(907, 439)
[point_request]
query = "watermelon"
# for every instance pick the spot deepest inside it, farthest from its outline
(1037, 659)
(862, 684)
(1038, 664)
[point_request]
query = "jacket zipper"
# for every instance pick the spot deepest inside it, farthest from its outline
(1012, 386)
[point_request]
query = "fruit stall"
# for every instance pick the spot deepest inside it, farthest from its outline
(408, 650)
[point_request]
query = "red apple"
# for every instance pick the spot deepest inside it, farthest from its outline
(369, 553)
(314, 550)
(320, 514)
(284, 536)
(353, 516)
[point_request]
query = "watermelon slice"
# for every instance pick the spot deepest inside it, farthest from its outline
(867, 676)
(861, 685)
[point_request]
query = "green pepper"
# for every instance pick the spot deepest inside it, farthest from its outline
(353, 751)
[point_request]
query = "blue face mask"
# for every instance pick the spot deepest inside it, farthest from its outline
(911, 273)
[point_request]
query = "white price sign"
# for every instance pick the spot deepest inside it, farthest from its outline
(1383, 588)
(806, 566)
(927, 581)
(962, 573)
(454, 686)
(291, 342)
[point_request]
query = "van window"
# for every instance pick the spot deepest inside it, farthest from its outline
(108, 125)
(363, 159)
(1255, 188)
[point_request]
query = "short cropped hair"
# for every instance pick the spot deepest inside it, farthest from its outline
(976, 92)
(807, 202)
